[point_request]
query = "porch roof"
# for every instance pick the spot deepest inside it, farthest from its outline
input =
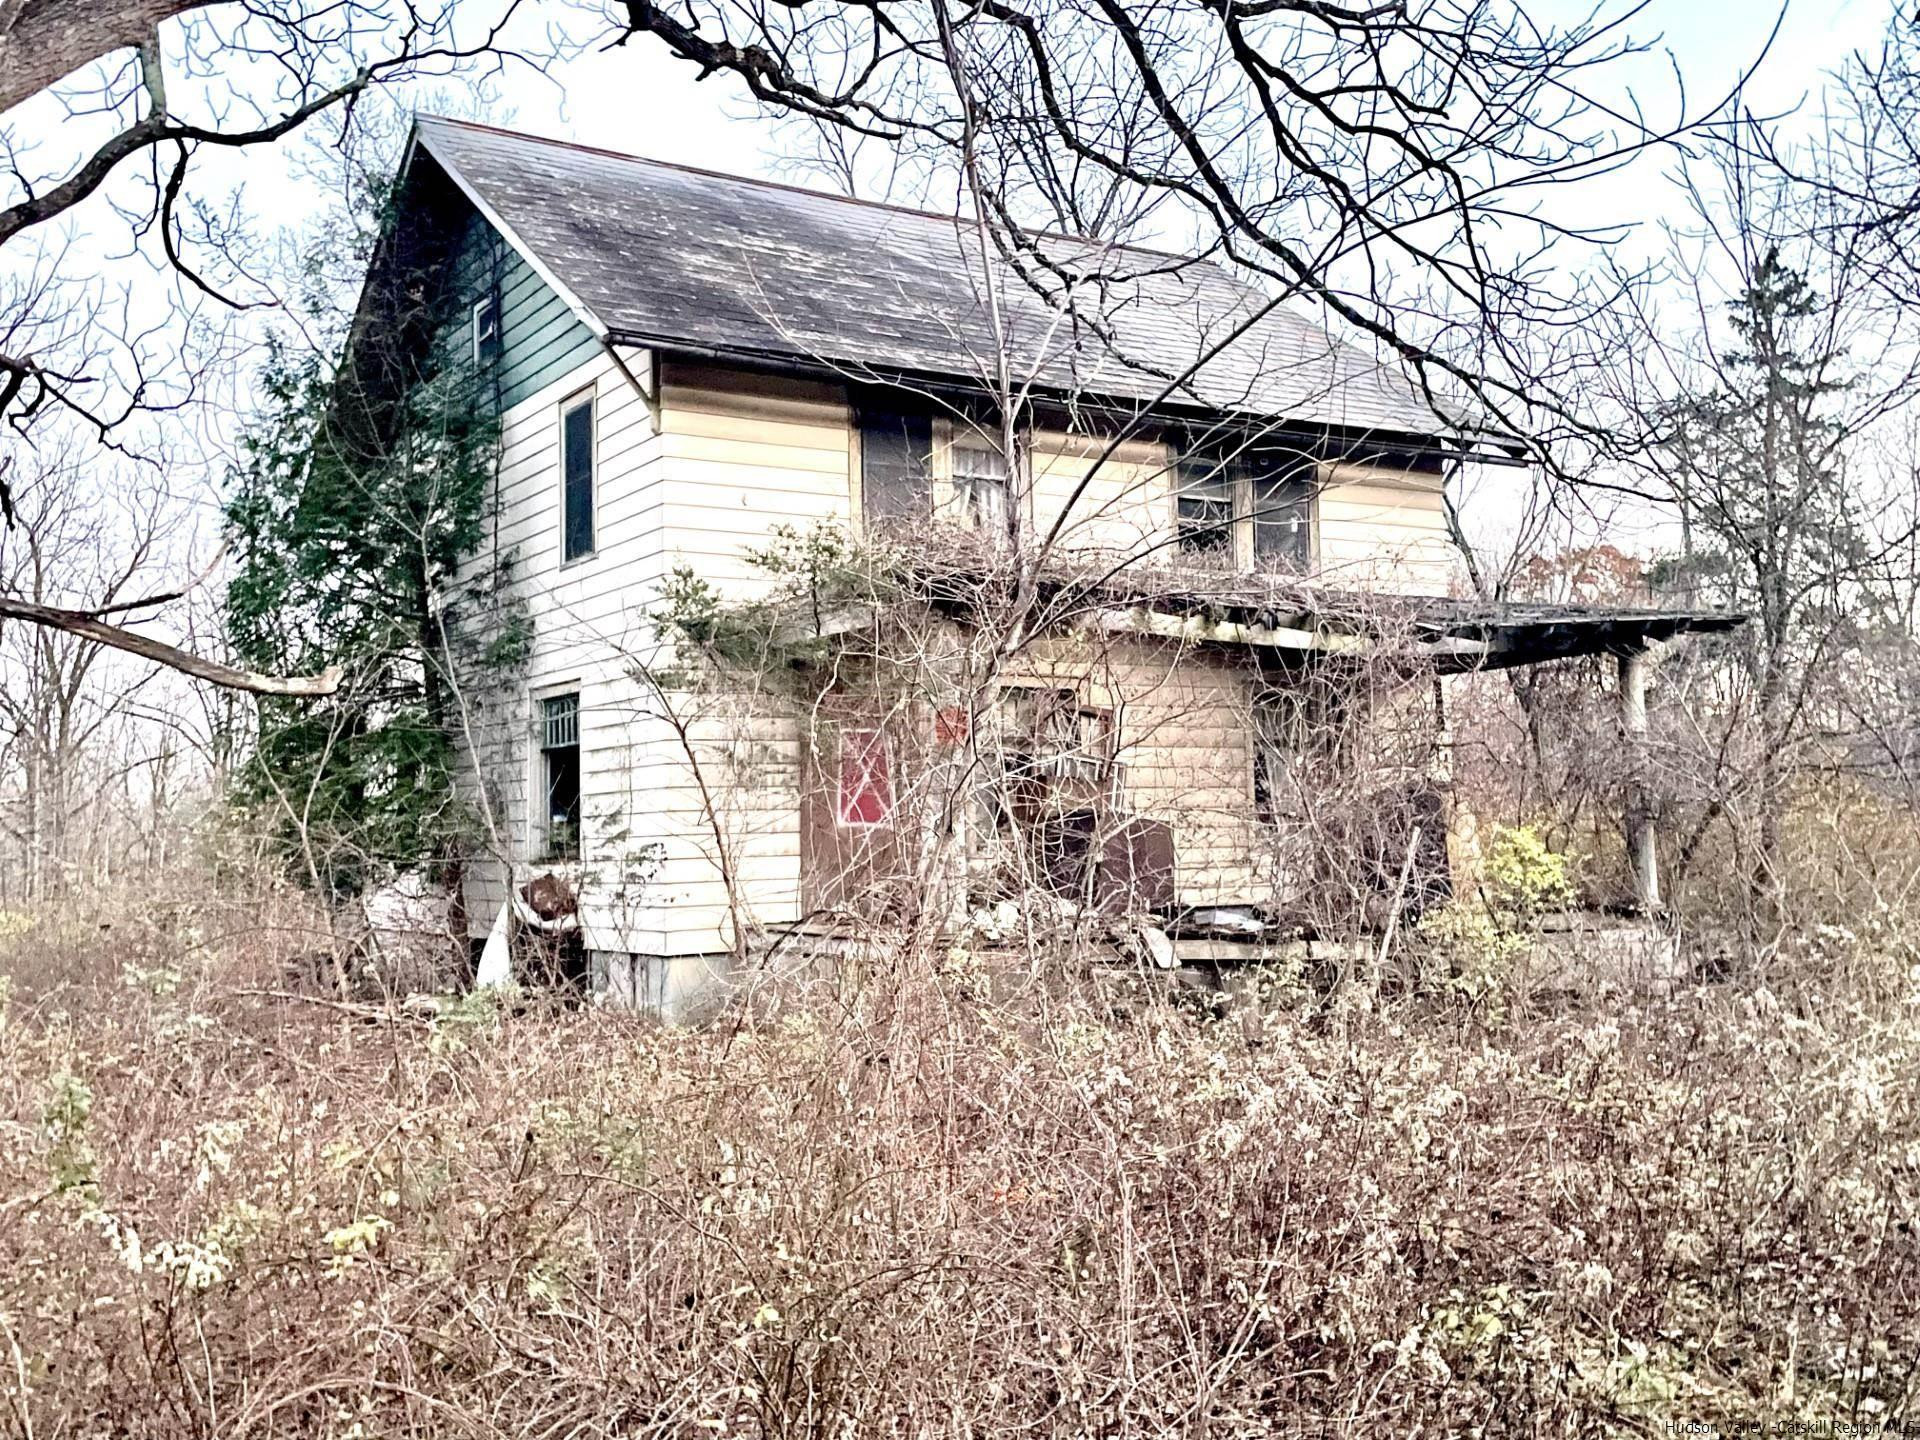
(1286, 614)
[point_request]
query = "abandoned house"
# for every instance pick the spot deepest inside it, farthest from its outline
(1240, 524)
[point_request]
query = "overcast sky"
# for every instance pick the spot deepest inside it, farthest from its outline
(636, 99)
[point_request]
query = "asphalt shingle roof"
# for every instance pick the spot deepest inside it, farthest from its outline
(664, 255)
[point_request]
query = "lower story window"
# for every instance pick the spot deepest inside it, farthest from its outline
(560, 775)
(1281, 740)
(866, 779)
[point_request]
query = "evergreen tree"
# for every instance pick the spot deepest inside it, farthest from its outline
(363, 483)
(1771, 526)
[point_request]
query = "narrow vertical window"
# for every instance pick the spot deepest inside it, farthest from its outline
(1282, 496)
(576, 468)
(1203, 508)
(896, 470)
(560, 776)
(866, 779)
(1280, 742)
(486, 328)
(980, 483)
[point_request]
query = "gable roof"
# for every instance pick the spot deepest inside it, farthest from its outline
(661, 255)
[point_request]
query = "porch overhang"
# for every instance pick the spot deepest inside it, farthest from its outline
(1451, 635)
(1280, 616)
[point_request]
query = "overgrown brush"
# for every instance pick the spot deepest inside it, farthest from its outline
(924, 1210)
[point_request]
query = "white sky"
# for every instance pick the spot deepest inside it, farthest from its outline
(636, 99)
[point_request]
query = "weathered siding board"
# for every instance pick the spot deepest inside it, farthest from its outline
(588, 620)
(747, 453)
(734, 455)
(1385, 530)
(1127, 503)
(541, 337)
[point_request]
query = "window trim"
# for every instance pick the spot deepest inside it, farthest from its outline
(489, 301)
(1312, 475)
(969, 438)
(1241, 544)
(539, 809)
(590, 397)
(1222, 473)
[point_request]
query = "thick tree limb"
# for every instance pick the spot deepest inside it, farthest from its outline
(91, 627)
(44, 41)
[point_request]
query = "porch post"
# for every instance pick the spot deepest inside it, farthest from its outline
(1642, 858)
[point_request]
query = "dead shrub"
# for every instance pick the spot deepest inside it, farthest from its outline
(932, 1204)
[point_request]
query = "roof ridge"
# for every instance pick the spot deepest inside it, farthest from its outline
(806, 191)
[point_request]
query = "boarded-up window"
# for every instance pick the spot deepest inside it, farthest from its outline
(576, 468)
(560, 772)
(896, 469)
(866, 779)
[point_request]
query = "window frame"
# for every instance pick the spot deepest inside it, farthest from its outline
(875, 737)
(963, 437)
(1309, 724)
(589, 398)
(489, 344)
(1307, 474)
(875, 409)
(543, 846)
(1191, 474)
(1235, 472)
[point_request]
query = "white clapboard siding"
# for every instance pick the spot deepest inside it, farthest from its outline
(588, 621)
(1384, 530)
(1123, 502)
(691, 821)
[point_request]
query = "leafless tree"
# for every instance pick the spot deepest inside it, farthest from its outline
(116, 106)
(1382, 162)
(89, 739)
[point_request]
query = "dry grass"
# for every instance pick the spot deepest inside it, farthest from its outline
(916, 1211)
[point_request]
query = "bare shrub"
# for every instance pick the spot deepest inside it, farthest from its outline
(922, 1207)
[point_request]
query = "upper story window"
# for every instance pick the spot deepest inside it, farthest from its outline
(1253, 509)
(1204, 508)
(576, 478)
(486, 328)
(915, 465)
(980, 481)
(560, 776)
(896, 469)
(1281, 508)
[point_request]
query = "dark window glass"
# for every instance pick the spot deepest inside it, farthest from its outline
(1203, 509)
(560, 772)
(896, 469)
(576, 444)
(1282, 497)
(486, 328)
